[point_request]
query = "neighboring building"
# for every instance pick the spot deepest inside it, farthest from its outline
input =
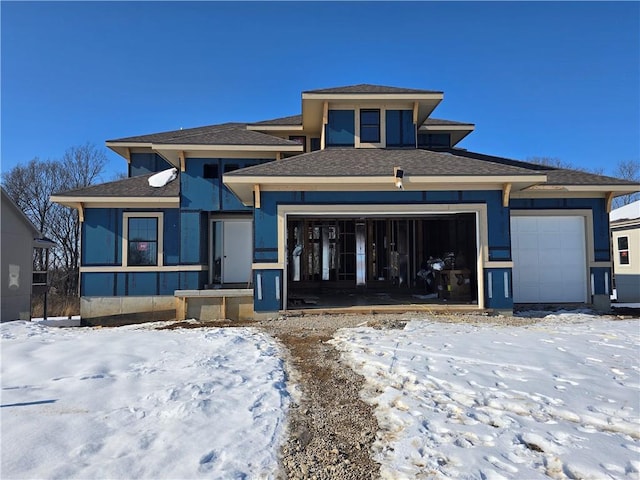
(625, 233)
(18, 239)
(347, 200)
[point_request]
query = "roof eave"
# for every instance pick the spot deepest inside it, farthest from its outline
(275, 128)
(243, 185)
(78, 202)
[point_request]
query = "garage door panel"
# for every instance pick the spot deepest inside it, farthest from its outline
(549, 256)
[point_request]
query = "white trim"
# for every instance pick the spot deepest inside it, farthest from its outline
(587, 216)
(446, 128)
(389, 210)
(276, 128)
(336, 96)
(125, 238)
(198, 147)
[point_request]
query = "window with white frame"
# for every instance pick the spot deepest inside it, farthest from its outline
(142, 239)
(370, 125)
(623, 250)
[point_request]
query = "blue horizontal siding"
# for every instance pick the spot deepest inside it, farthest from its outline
(119, 284)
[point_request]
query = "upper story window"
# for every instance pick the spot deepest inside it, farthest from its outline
(401, 131)
(340, 129)
(623, 250)
(301, 139)
(142, 235)
(370, 125)
(434, 140)
(210, 170)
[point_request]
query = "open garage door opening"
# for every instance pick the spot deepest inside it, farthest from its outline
(348, 261)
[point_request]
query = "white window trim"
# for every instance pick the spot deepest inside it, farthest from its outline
(125, 238)
(383, 127)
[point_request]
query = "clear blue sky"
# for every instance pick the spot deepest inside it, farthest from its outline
(538, 79)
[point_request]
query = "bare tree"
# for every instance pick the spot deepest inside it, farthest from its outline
(558, 163)
(31, 186)
(628, 170)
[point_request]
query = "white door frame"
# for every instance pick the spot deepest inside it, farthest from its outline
(588, 233)
(212, 233)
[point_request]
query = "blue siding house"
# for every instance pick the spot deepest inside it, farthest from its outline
(363, 200)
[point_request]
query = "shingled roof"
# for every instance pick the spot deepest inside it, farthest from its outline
(128, 187)
(350, 162)
(290, 120)
(368, 88)
(223, 134)
(555, 176)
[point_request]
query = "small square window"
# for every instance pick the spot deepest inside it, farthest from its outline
(210, 170)
(230, 167)
(301, 139)
(623, 243)
(370, 126)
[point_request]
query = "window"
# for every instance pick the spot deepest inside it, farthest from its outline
(301, 139)
(210, 170)
(142, 239)
(340, 128)
(434, 140)
(315, 144)
(230, 167)
(623, 250)
(400, 130)
(370, 126)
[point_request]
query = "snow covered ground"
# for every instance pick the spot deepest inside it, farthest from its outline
(132, 402)
(557, 399)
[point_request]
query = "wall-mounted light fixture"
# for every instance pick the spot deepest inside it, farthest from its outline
(398, 174)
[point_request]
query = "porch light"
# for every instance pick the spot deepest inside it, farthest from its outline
(398, 173)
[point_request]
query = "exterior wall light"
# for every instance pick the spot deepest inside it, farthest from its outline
(398, 173)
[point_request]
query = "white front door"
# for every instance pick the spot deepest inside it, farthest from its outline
(231, 251)
(549, 259)
(237, 251)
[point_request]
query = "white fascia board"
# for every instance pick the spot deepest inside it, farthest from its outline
(618, 189)
(370, 180)
(446, 128)
(122, 202)
(128, 144)
(372, 96)
(275, 128)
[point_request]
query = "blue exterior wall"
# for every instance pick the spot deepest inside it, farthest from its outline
(143, 163)
(209, 194)
(498, 294)
(268, 285)
(266, 233)
(185, 230)
(102, 235)
(102, 246)
(139, 283)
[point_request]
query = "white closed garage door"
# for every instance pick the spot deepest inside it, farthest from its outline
(549, 259)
